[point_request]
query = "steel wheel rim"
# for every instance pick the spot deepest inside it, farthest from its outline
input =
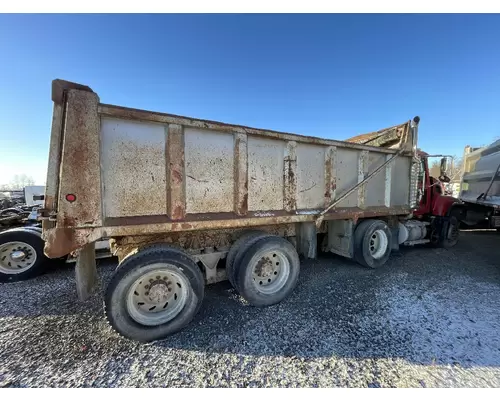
(270, 272)
(16, 257)
(378, 244)
(158, 296)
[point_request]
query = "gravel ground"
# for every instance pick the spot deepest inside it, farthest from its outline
(429, 318)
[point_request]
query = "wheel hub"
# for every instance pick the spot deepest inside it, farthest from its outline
(271, 272)
(159, 291)
(157, 296)
(265, 268)
(18, 255)
(378, 244)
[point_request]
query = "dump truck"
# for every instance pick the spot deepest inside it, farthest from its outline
(188, 202)
(480, 186)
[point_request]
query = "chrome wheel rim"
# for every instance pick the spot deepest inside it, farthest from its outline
(16, 257)
(158, 296)
(271, 271)
(378, 244)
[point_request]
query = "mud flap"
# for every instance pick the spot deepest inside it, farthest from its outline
(306, 234)
(86, 271)
(395, 240)
(340, 237)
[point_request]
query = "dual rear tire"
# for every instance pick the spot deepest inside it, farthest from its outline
(159, 290)
(264, 269)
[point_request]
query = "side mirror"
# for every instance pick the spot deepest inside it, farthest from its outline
(443, 166)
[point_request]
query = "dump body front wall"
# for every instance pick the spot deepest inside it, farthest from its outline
(130, 168)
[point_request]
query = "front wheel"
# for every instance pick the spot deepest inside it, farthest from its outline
(372, 243)
(451, 233)
(154, 293)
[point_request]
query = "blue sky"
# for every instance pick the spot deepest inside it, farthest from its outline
(331, 76)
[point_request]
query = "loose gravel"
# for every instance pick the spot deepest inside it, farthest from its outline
(429, 318)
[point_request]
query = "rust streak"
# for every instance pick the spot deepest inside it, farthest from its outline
(177, 176)
(289, 177)
(59, 242)
(178, 212)
(240, 174)
(176, 204)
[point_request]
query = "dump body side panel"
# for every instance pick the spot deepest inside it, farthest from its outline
(135, 172)
(209, 166)
(265, 174)
(133, 168)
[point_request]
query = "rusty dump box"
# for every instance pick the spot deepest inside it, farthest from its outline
(118, 172)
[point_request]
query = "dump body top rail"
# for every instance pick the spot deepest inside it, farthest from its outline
(116, 171)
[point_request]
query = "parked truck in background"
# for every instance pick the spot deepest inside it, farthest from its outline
(480, 186)
(177, 194)
(21, 243)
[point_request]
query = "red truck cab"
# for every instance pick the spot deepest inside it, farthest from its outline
(441, 210)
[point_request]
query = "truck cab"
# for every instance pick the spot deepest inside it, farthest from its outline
(435, 208)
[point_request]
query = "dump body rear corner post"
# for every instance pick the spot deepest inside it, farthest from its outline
(86, 271)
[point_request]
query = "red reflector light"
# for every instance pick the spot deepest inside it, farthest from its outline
(71, 198)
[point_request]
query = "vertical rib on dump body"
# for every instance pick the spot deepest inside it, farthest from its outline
(135, 172)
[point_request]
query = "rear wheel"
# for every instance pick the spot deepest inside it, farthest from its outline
(21, 255)
(372, 243)
(239, 247)
(154, 293)
(268, 272)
